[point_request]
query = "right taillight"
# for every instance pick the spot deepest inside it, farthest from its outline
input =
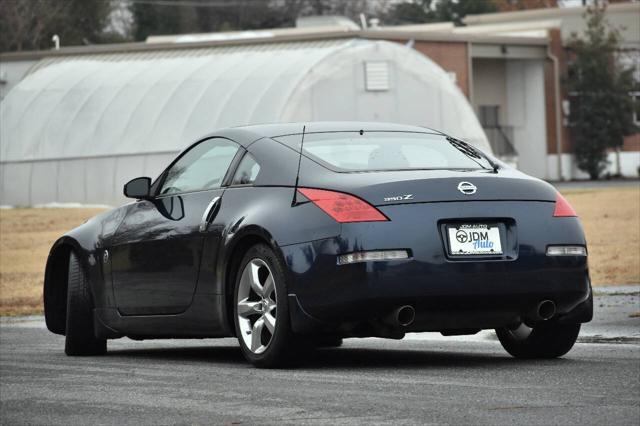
(563, 208)
(343, 208)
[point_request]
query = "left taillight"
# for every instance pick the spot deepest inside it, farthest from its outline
(563, 208)
(343, 208)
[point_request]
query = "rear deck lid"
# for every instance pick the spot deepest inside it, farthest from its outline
(403, 187)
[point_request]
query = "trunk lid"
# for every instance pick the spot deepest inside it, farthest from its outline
(428, 186)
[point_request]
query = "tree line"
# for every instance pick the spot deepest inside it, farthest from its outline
(30, 24)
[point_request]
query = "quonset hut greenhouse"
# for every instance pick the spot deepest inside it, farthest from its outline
(78, 126)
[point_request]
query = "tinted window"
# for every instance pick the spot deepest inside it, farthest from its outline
(247, 171)
(202, 167)
(352, 151)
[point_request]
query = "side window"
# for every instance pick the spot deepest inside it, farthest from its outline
(247, 172)
(202, 167)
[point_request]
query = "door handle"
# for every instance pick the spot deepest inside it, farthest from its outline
(209, 213)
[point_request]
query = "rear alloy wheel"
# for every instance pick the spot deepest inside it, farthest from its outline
(257, 306)
(80, 337)
(548, 339)
(260, 309)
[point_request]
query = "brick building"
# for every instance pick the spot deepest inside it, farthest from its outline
(490, 79)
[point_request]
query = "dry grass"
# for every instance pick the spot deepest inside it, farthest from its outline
(26, 235)
(611, 218)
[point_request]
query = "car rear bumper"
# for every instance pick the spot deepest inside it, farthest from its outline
(447, 293)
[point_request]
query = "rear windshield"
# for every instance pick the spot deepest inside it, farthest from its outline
(371, 151)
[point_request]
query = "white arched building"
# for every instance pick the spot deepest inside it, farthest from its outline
(78, 126)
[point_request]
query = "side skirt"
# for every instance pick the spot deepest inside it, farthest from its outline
(204, 318)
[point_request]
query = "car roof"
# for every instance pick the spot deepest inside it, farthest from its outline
(245, 135)
(272, 130)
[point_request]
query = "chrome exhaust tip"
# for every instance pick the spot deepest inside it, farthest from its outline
(406, 315)
(542, 311)
(546, 310)
(401, 317)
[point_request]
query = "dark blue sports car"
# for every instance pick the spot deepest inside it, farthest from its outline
(289, 236)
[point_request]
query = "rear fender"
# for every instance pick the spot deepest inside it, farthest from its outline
(233, 251)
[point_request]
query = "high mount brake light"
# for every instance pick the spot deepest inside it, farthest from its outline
(343, 207)
(563, 208)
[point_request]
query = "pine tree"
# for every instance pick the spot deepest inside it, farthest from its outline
(601, 112)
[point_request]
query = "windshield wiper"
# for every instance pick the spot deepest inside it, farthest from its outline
(471, 152)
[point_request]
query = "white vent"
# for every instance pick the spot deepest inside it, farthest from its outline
(376, 75)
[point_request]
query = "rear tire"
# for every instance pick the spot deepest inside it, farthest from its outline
(261, 312)
(545, 340)
(80, 338)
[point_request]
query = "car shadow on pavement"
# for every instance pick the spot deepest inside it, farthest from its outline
(353, 358)
(217, 354)
(343, 358)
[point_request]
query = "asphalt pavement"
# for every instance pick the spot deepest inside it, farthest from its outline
(423, 379)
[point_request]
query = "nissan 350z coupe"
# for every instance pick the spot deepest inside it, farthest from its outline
(291, 236)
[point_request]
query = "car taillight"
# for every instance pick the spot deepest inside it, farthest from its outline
(343, 207)
(563, 208)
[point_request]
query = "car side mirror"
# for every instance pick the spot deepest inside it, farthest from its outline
(138, 188)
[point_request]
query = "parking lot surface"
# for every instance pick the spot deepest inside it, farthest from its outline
(367, 381)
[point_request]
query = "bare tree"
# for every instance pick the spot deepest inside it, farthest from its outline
(29, 24)
(25, 23)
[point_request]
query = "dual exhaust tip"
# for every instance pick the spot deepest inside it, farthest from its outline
(405, 315)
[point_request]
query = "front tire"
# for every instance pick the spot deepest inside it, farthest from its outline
(261, 313)
(80, 338)
(545, 340)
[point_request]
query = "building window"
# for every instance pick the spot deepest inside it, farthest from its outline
(500, 137)
(636, 107)
(489, 115)
(631, 59)
(571, 109)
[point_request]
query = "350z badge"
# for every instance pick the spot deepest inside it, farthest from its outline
(399, 198)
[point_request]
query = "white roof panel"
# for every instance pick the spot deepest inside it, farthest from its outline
(94, 105)
(160, 101)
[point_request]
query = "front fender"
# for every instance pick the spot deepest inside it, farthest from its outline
(88, 241)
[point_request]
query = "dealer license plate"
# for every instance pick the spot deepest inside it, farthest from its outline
(474, 239)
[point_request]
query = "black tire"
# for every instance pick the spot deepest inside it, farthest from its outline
(80, 338)
(283, 348)
(546, 340)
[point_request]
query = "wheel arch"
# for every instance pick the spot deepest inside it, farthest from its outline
(55, 284)
(236, 250)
